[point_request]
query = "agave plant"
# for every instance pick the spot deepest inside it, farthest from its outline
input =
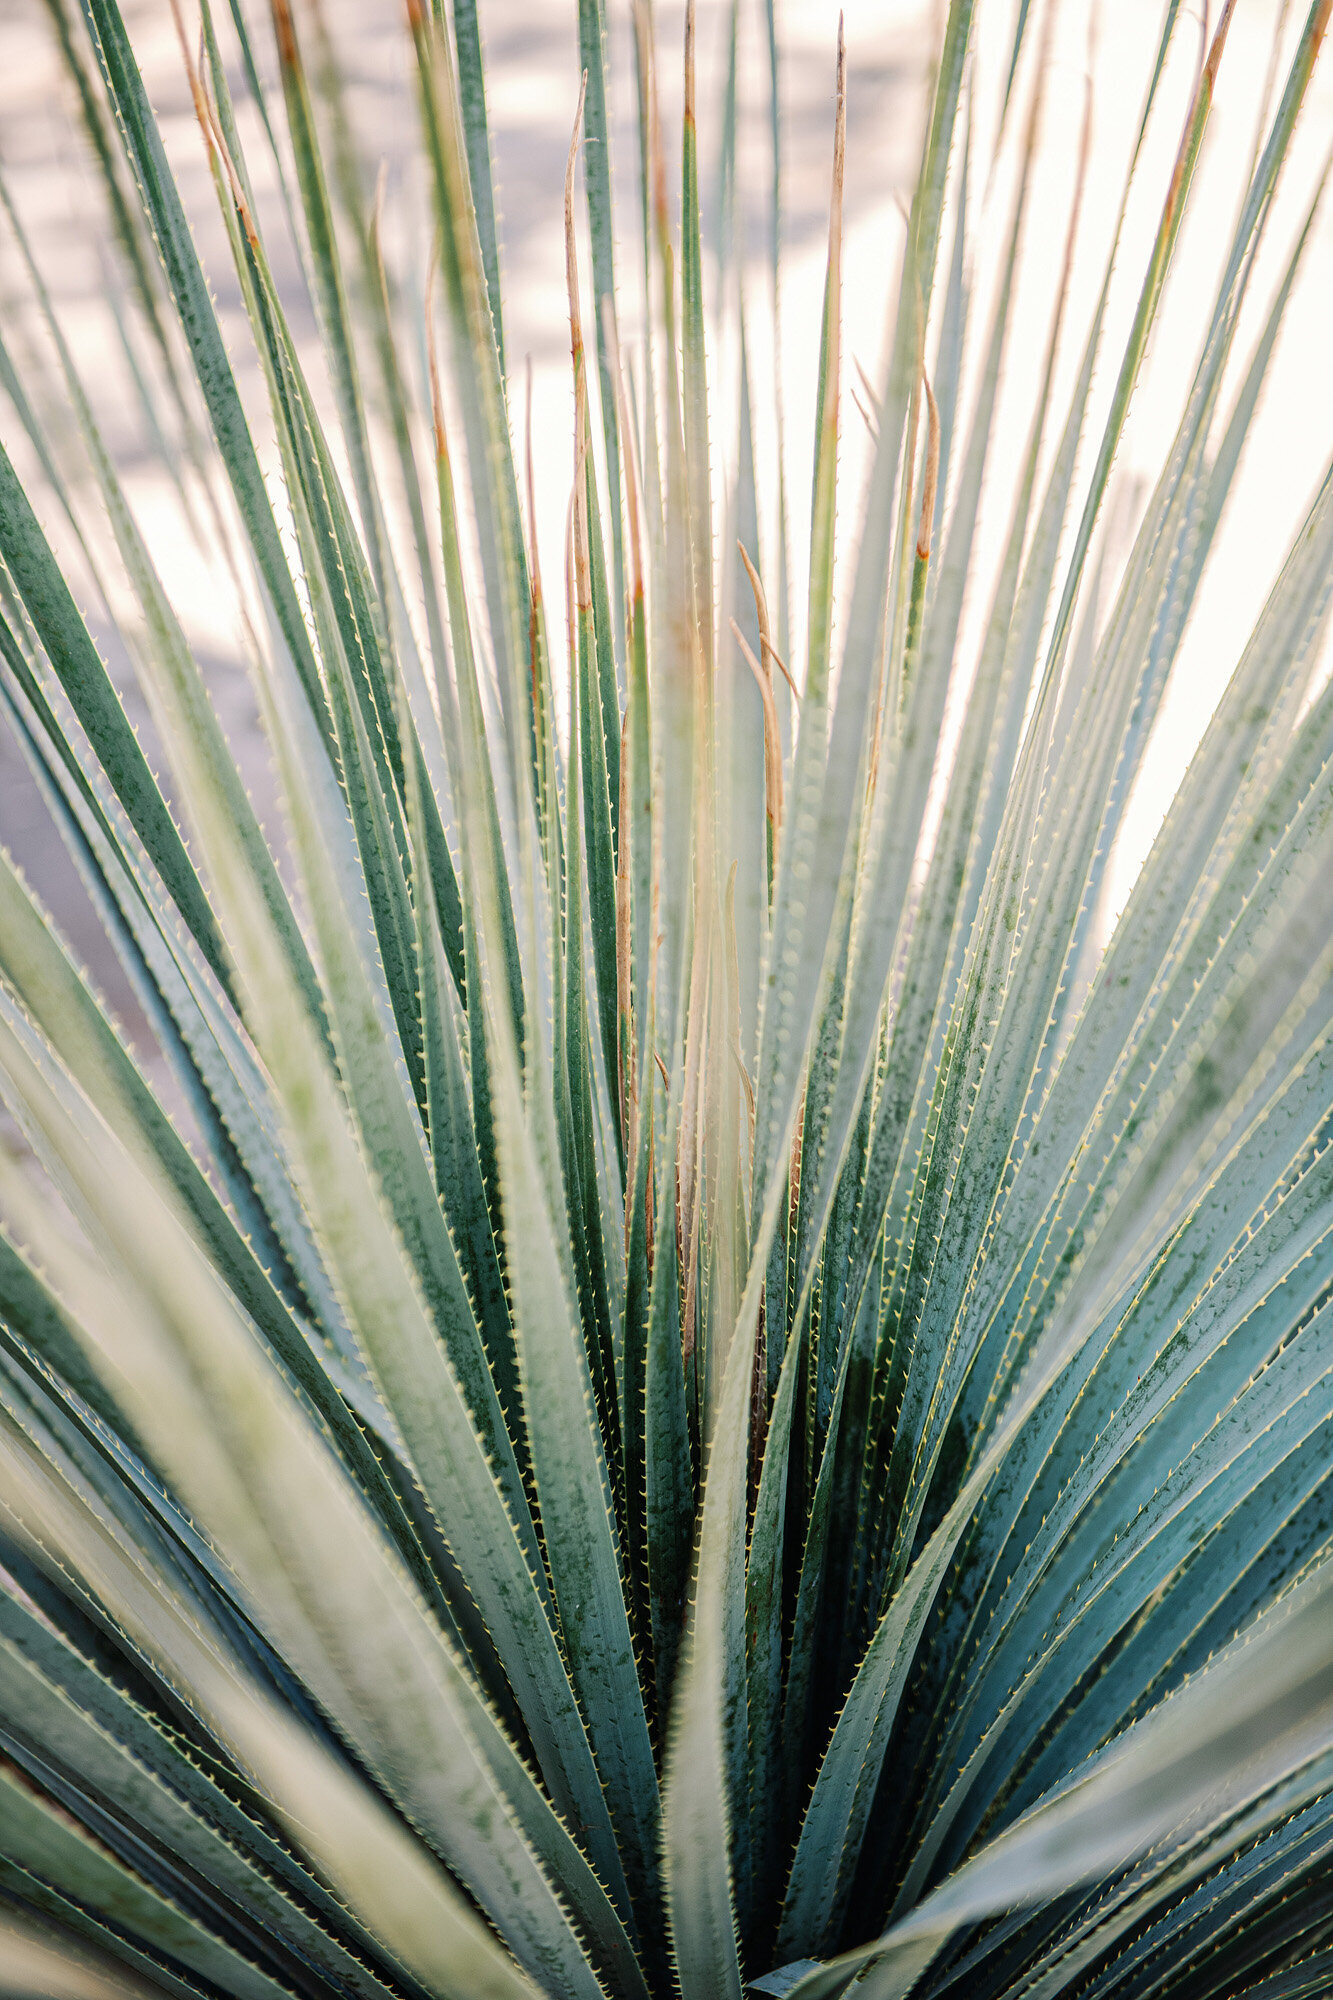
(673, 1364)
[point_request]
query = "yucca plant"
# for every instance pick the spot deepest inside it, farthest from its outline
(672, 1364)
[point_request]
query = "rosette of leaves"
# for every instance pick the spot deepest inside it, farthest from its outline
(668, 1365)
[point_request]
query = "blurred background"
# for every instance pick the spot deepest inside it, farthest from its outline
(531, 48)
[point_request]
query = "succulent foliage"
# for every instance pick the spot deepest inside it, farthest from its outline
(669, 1359)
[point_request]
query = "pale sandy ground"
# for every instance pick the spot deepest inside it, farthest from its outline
(532, 53)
